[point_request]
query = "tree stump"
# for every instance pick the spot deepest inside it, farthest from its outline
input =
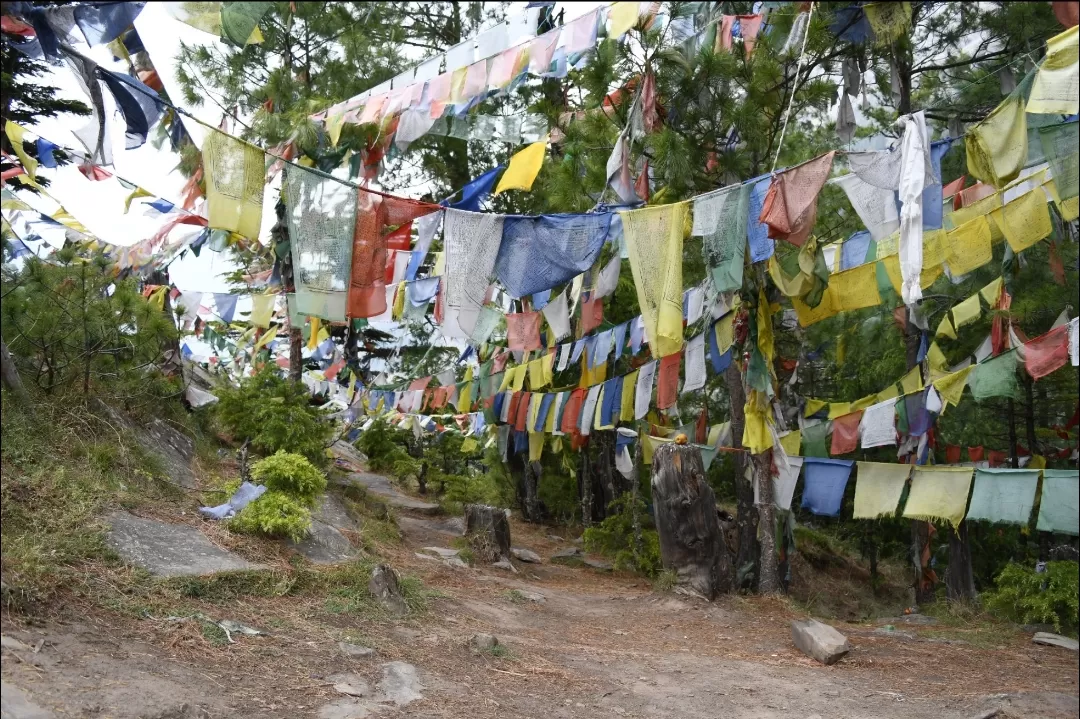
(691, 542)
(488, 532)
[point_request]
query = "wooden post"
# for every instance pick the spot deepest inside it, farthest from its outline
(488, 532)
(691, 542)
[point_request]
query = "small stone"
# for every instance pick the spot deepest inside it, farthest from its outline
(455, 562)
(400, 684)
(533, 596)
(355, 650)
(525, 555)
(567, 554)
(597, 564)
(13, 644)
(384, 587)
(352, 685)
(505, 564)
(1056, 640)
(819, 641)
(484, 642)
(555, 538)
(442, 552)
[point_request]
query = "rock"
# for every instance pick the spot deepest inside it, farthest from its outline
(324, 544)
(456, 563)
(355, 650)
(331, 511)
(890, 631)
(13, 644)
(400, 684)
(567, 555)
(16, 704)
(442, 552)
(555, 538)
(484, 642)
(1056, 640)
(381, 488)
(352, 685)
(348, 456)
(525, 555)
(169, 550)
(914, 618)
(174, 449)
(597, 564)
(345, 709)
(505, 564)
(819, 641)
(384, 586)
(533, 596)
(231, 626)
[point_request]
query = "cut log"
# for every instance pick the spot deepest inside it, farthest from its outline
(691, 542)
(488, 532)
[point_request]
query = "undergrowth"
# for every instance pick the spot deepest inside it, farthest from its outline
(1029, 597)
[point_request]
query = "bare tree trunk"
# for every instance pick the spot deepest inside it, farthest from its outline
(959, 578)
(11, 377)
(1013, 449)
(585, 483)
(532, 501)
(635, 489)
(1029, 413)
(691, 541)
(488, 532)
(769, 576)
(746, 517)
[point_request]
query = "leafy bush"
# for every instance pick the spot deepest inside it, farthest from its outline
(382, 444)
(291, 474)
(614, 537)
(275, 514)
(1026, 597)
(274, 415)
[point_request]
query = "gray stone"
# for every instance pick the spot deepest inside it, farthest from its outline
(400, 684)
(172, 448)
(526, 555)
(381, 488)
(348, 456)
(170, 550)
(355, 650)
(484, 642)
(505, 564)
(345, 709)
(1056, 640)
(819, 641)
(568, 554)
(13, 644)
(914, 618)
(324, 544)
(331, 511)
(442, 552)
(533, 596)
(455, 562)
(555, 538)
(15, 704)
(597, 564)
(352, 685)
(384, 587)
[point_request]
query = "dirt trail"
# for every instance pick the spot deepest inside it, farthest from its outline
(580, 643)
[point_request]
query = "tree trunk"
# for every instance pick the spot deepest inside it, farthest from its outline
(769, 577)
(1013, 450)
(488, 532)
(925, 579)
(1029, 414)
(296, 354)
(746, 516)
(684, 506)
(585, 486)
(10, 374)
(959, 578)
(532, 501)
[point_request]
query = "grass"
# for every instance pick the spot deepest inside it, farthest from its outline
(514, 596)
(666, 580)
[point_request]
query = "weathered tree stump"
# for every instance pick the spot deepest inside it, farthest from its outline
(691, 542)
(384, 586)
(488, 532)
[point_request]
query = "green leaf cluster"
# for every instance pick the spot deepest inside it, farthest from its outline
(1028, 597)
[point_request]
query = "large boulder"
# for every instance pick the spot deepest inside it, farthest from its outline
(819, 641)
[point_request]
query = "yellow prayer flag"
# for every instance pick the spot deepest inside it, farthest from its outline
(626, 406)
(135, 194)
(334, 122)
(966, 312)
(992, 292)
(518, 382)
(549, 421)
(157, 297)
(756, 436)
(997, 147)
(813, 406)
(864, 402)
(935, 358)
(878, 489)
(468, 446)
(440, 265)
(839, 409)
(1025, 220)
(826, 308)
(912, 381)
(1070, 208)
(536, 446)
(262, 309)
(399, 302)
(889, 392)
(926, 278)
(535, 400)
(266, 337)
(536, 374)
(654, 239)
(464, 402)
(792, 442)
(764, 328)
(235, 180)
(969, 246)
(725, 332)
(507, 376)
(15, 134)
(1054, 89)
(951, 386)
(939, 493)
(856, 288)
(622, 16)
(523, 168)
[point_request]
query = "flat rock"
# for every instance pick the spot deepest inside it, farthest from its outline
(355, 650)
(525, 555)
(382, 488)
(819, 640)
(345, 708)
(170, 550)
(1056, 640)
(570, 553)
(400, 684)
(505, 564)
(597, 564)
(349, 684)
(916, 619)
(442, 552)
(347, 455)
(324, 544)
(484, 642)
(15, 704)
(455, 562)
(533, 596)
(13, 644)
(331, 511)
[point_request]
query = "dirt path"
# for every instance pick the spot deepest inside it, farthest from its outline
(579, 643)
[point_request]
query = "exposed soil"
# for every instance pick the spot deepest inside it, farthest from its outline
(598, 645)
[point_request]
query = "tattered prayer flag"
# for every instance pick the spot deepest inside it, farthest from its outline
(1058, 506)
(996, 377)
(523, 168)
(1048, 352)
(262, 309)
(845, 436)
(790, 206)
(951, 386)
(939, 493)
(1003, 495)
(668, 383)
(878, 487)
(654, 236)
(523, 330)
(15, 134)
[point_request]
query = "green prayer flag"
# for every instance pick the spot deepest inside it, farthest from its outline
(239, 20)
(814, 440)
(996, 377)
(1059, 506)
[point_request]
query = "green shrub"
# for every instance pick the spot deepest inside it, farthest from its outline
(1025, 597)
(274, 514)
(614, 537)
(291, 474)
(274, 415)
(382, 445)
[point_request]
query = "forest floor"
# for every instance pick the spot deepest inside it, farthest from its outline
(574, 641)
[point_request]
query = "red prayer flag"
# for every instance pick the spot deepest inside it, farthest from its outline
(790, 206)
(523, 330)
(998, 458)
(952, 454)
(667, 386)
(400, 239)
(953, 187)
(521, 419)
(845, 433)
(592, 314)
(1047, 353)
(421, 383)
(976, 454)
(569, 424)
